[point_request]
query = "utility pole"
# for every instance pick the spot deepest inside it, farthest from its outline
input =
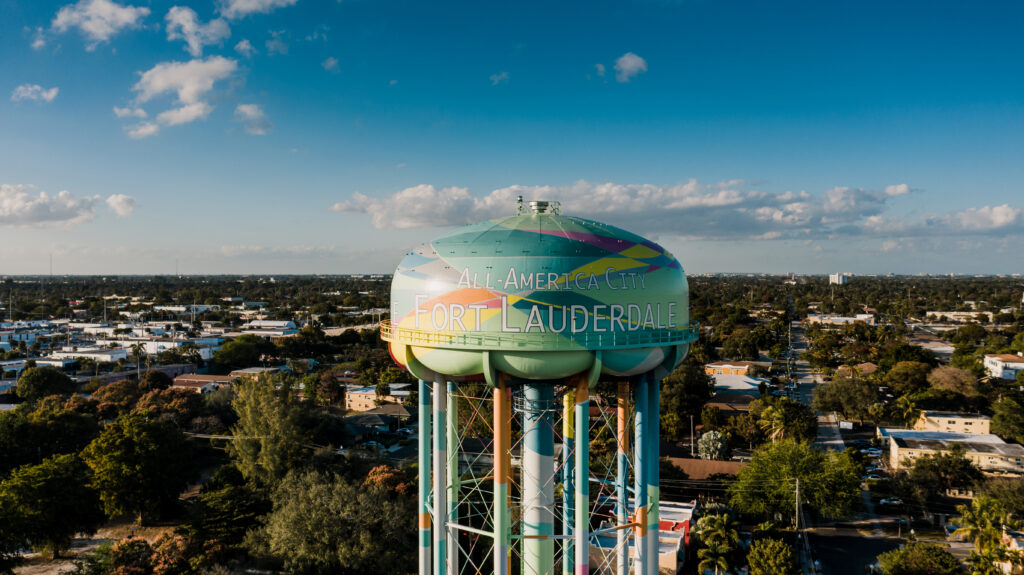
(691, 436)
(798, 508)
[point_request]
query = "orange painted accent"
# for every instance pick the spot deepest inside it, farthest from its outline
(582, 390)
(622, 409)
(424, 521)
(641, 518)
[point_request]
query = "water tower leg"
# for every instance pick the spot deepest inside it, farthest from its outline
(454, 477)
(424, 477)
(502, 477)
(581, 477)
(568, 484)
(439, 479)
(621, 479)
(653, 463)
(538, 479)
(640, 472)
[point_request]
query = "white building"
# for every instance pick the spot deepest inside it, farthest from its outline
(825, 319)
(1004, 365)
(838, 279)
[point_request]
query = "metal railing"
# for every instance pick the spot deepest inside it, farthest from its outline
(546, 341)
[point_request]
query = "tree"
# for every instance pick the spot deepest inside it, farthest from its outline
(771, 557)
(49, 503)
(683, 393)
(829, 482)
(323, 524)
(38, 382)
(153, 379)
(139, 353)
(850, 396)
(935, 474)
(953, 379)
(714, 557)
(268, 437)
(919, 559)
(711, 418)
(783, 417)
(179, 406)
(139, 466)
(243, 351)
(712, 445)
(907, 377)
(981, 523)
(225, 510)
(117, 398)
(1008, 420)
(1009, 492)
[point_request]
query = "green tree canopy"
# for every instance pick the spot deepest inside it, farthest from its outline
(1008, 420)
(933, 475)
(47, 504)
(38, 382)
(139, 466)
(771, 557)
(683, 393)
(323, 524)
(243, 351)
(269, 439)
(712, 445)
(919, 559)
(850, 396)
(907, 377)
(829, 482)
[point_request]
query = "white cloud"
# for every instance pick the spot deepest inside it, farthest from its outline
(330, 64)
(38, 39)
(629, 66)
(232, 9)
(143, 130)
(34, 92)
(897, 190)
(129, 112)
(245, 48)
(98, 20)
(185, 114)
(724, 211)
(189, 80)
(122, 205)
(253, 119)
(600, 69)
(183, 24)
(19, 207)
(501, 78)
(276, 43)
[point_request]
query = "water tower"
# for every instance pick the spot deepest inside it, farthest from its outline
(511, 325)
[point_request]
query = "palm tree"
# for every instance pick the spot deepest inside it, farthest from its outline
(714, 557)
(719, 529)
(981, 523)
(773, 422)
(985, 563)
(906, 409)
(138, 352)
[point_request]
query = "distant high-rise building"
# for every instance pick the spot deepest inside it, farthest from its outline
(838, 279)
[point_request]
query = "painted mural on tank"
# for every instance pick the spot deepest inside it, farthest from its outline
(542, 282)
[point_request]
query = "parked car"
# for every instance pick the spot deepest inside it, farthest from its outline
(874, 477)
(891, 501)
(872, 451)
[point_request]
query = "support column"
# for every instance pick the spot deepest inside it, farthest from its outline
(538, 479)
(568, 483)
(423, 494)
(440, 479)
(502, 477)
(653, 470)
(640, 472)
(581, 546)
(454, 477)
(622, 478)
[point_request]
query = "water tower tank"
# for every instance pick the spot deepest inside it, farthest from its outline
(541, 292)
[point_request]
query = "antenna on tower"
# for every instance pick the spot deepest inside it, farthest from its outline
(519, 206)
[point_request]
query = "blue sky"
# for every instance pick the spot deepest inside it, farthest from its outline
(316, 136)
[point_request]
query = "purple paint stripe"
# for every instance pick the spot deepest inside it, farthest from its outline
(603, 242)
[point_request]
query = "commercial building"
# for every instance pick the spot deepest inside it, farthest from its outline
(728, 368)
(1004, 365)
(953, 422)
(838, 279)
(990, 453)
(365, 398)
(824, 319)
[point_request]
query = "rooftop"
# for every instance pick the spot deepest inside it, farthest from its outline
(1008, 449)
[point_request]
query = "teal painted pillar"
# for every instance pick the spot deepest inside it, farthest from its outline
(568, 484)
(581, 525)
(653, 470)
(454, 477)
(640, 472)
(538, 478)
(440, 478)
(423, 494)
